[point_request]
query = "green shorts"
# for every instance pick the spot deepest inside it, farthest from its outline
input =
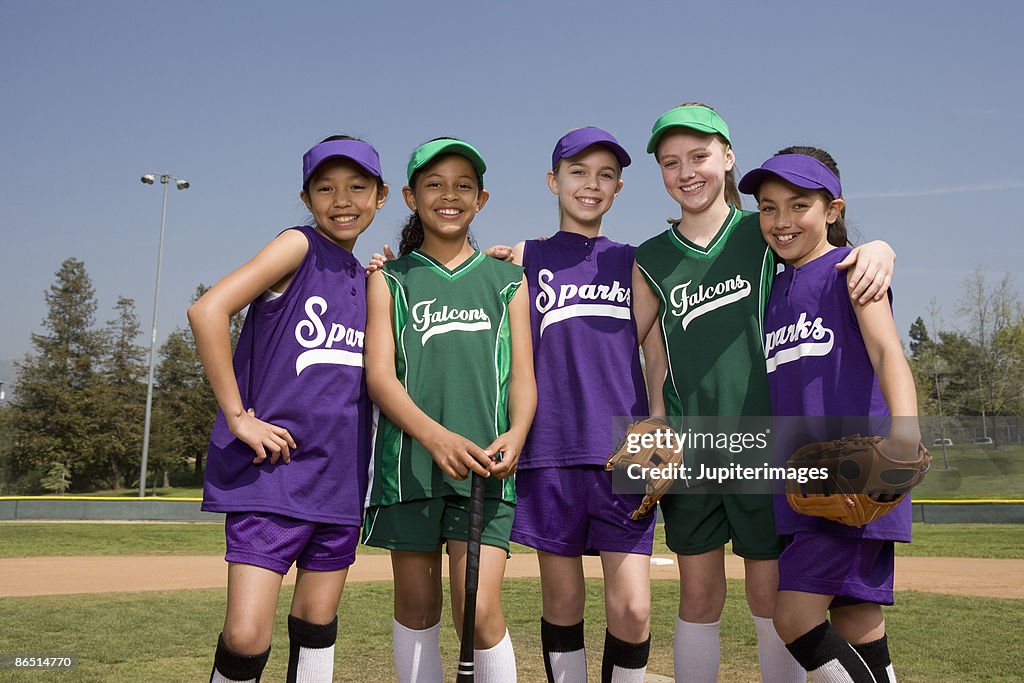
(696, 523)
(423, 525)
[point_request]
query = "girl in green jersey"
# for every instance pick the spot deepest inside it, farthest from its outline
(449, 363)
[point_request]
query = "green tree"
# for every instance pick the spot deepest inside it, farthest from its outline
(57, 479)
(123, 396)
(989, 312)
(53, 411)
(918, 336)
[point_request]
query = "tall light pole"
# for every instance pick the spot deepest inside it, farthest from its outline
(165, 180)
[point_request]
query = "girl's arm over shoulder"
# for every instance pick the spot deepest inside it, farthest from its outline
(873, 265)
(883, 345)
(454, 454)
(209, 317)
(522, 399)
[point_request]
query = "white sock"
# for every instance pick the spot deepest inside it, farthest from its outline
(417, 653)
(218, 677)
(831, 672)
(777, 665)
(568, 667)
(316, 665)
(496, 664)
(697, 651)
(620, 675)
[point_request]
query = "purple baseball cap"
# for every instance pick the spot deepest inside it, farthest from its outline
(575, 141)
(358, 151)
(797, 169)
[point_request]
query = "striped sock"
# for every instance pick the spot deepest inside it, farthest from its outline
(496, 664)
(624, 662)
(565, 659)
(829, 658)
(311, 651)
(876, 654)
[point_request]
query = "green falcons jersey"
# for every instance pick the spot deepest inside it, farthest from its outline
(712, 301)
(453, 354)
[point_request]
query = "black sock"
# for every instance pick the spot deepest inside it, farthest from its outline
(619, 653)
(559, 639)
(822, 646)
(876, 656)
(236, 667)
(304, 634)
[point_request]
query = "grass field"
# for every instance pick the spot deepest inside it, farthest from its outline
(170, 636)
(42, 539)
(974, 472)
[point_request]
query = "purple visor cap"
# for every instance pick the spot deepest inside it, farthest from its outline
(575, 141)
(356, 150)
(798, 169)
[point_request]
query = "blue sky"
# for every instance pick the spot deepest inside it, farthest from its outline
(916, 100)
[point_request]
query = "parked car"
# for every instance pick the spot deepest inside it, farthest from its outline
(942, 442)
(983, 440)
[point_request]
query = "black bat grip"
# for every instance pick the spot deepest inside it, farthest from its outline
(476, 525)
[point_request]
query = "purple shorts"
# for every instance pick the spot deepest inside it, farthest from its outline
(854, 570)
(572, 511)
(275, 542)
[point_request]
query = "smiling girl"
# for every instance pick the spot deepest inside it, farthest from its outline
(450, 366)
(859, 374)
(706, 279)
(588, 372)
(289, 452)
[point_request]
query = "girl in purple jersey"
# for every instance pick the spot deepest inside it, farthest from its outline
(289, 452)
(588, 372)
(849, 362)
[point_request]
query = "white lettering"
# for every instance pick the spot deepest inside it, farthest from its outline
(811, 338)
(691, 305)
(446, 320)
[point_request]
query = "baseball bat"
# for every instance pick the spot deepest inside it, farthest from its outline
(476, 525)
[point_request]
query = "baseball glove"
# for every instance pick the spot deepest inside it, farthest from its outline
(862, 484)
(650, 443)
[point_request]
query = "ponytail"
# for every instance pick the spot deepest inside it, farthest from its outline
(412, 235)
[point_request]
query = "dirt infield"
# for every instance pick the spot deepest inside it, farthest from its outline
(113, 574)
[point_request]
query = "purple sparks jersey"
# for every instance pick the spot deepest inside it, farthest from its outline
(299, 365)
(818, 366)
(584, 346)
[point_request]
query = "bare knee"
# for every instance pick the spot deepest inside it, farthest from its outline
(417, 611)
(564, 606)
(761, 599)
(701, 603)
(247, 638)
(630, 619)
(862, 623)
(490, 623)
(788, 624)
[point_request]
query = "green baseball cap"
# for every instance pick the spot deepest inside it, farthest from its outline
(692, 116)
(428, 150)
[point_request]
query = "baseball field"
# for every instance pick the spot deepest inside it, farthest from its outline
(145, 602)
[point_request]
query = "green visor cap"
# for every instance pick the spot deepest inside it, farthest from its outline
(693, 116)
(428, 150)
